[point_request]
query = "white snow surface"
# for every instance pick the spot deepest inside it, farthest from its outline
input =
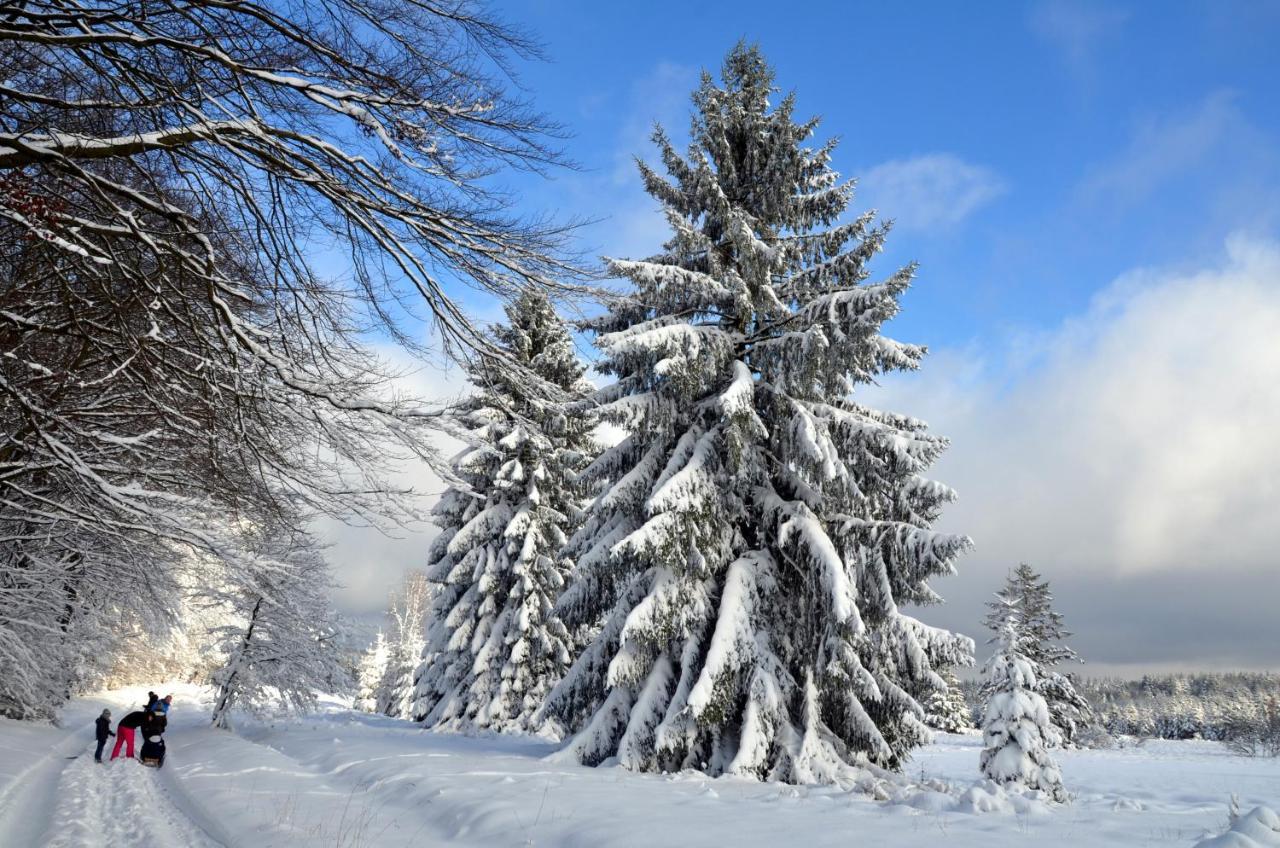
(1259, 828)
(345, 778)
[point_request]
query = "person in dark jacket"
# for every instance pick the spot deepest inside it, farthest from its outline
(102, 730)
(124, 732)
(155, 724)
(152, 697)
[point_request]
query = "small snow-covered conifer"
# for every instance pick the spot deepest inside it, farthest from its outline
(946, 709)
(373, 667)
(496, 645)
(759, 531)
(1043, 635)
(1016, 730)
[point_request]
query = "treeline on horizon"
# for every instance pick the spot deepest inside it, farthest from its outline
(1182, 705)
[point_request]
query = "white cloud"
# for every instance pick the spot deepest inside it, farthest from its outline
(933, 191)
(1132, 449)
(636, 229)
(1144, 438)
(659, 97)
(367, 563)
(1209, 163)
(1165, 147)
(627, 222)
(1076, 28)
(636, 226)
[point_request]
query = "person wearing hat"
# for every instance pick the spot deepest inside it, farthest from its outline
(158, 718)
(103, 731)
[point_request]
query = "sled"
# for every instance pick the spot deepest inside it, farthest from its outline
(152, 752)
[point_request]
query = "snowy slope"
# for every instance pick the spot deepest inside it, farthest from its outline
(347, 779)
(1259, 828)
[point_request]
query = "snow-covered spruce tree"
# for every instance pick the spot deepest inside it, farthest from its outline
(496, 645)
(1044, 637)
(758, 530)
(373, 666)
(1016, 731)
(283, 646)
(946, 709)
(407, 616)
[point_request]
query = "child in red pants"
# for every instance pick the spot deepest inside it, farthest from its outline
(124, 732)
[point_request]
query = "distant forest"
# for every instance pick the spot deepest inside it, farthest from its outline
(1172, 706)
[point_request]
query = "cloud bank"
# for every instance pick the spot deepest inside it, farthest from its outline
(367, 563)
(1133, 455)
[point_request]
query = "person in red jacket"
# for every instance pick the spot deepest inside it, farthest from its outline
(125, 730)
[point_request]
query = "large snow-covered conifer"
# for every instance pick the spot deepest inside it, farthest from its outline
(759, 530)
(1016, 730)
(496, 644)
(1044, 639)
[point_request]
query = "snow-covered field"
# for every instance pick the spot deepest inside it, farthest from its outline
(340, 778)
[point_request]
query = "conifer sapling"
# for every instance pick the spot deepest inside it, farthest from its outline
(1016, 731)
(1044, 639)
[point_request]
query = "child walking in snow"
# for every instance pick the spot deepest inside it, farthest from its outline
(102, 730)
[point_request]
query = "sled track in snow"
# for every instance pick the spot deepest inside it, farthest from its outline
(26, 805)
(117, 804)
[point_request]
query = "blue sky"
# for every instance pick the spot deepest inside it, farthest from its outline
(1073, 140)
(1093, 194)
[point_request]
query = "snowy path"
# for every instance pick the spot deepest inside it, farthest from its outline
(57, 796)
(344, 780)
(118, 803)
(26, 801)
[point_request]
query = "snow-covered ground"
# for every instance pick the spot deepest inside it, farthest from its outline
(340, 778)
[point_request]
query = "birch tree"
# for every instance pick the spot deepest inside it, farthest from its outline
(407, 620)
(373, 667)
(282, 644)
